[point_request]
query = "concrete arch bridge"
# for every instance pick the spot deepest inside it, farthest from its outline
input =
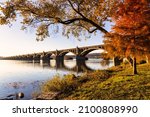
(79, 52)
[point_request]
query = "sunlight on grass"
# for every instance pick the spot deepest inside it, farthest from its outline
(114, 83)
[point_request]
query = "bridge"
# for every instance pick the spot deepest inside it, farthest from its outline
(79, 52)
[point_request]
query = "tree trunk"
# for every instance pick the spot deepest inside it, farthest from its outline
(130, 60)
(134, 66)
(147, 61)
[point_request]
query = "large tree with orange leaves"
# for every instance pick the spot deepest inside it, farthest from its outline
(130, 35)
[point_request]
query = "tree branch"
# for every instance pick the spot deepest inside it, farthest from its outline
(69, 21)
(75, 9)
(90, 31)
(88, 20)
(66, 22)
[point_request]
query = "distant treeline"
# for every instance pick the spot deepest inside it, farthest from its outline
(91, 55)
(94, 55)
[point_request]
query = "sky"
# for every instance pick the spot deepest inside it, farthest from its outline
(14, 41)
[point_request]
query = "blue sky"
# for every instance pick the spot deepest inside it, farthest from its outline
(14, 41)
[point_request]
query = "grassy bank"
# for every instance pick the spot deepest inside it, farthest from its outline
(114, 83)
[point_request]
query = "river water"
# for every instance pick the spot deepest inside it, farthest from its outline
(27, 76)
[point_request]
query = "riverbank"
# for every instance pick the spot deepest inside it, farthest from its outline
(114, 83)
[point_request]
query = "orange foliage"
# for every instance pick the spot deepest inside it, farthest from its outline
(130, 36)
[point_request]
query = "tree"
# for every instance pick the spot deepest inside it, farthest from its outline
(78, 17)
(130, 35)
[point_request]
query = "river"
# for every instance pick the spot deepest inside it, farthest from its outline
(27, 76)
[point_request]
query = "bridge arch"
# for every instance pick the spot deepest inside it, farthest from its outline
(87, 51)
(52, 55)
(45, 56)
(63, 53)
(36, 56)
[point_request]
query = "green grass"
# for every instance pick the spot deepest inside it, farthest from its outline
(114, 83)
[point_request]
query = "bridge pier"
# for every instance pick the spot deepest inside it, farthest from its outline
(29, 58)
(78, 58)
(36, 58)
(45, 58)
(59, 58)
(80, 65)
(117, 61)
(59, 62)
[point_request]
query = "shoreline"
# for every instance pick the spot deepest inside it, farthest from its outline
(111, 84)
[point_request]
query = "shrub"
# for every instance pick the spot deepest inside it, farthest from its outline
(100, 75)
(142, 61)
(62, 85)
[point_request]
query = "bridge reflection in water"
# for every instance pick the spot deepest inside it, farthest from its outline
(68, 65)
(27, 76)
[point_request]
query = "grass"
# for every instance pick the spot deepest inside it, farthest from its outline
(114, 83)
(58, 84)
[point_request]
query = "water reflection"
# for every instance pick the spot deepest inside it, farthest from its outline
(27, 76)
(72, 65)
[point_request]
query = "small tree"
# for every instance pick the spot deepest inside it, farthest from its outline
(130, 35)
